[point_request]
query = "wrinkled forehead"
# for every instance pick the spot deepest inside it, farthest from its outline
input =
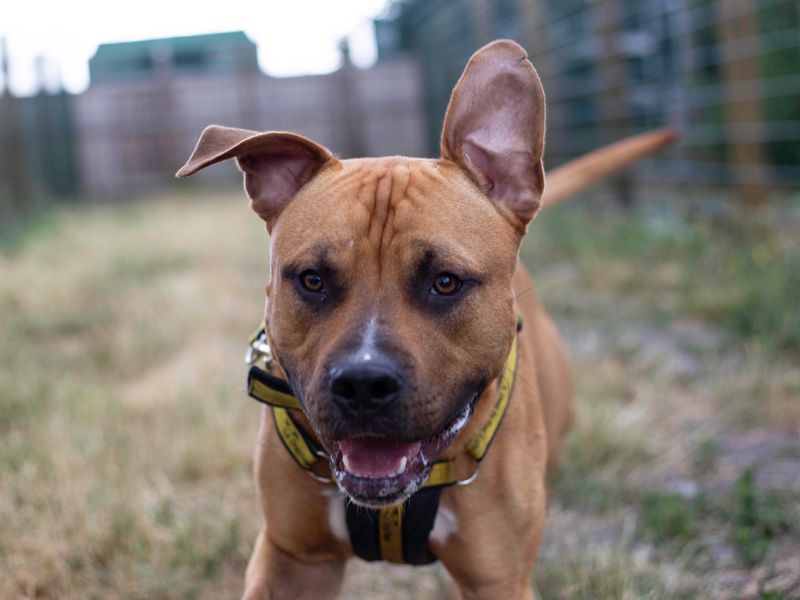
(390, 202)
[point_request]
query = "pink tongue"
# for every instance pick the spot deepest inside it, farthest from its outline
(374, 457)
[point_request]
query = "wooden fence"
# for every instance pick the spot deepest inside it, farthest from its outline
(134, 135)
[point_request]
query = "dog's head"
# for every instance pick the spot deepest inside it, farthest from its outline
(390, 306)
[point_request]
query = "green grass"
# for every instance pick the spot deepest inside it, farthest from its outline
(705, 458)
(754, 519)
(22, 231)
(743, 277)
(758, 518)
(670, 517)
(126, 440)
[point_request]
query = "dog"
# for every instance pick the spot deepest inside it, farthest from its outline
(399, 317)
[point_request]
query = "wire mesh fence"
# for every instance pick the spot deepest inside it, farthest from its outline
(725, 73)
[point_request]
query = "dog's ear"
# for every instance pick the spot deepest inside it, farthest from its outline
(494, 127)
(275, 164)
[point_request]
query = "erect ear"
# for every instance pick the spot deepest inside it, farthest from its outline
(494, 127)
(275, 164)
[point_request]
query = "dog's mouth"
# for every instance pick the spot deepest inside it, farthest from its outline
(377, 471)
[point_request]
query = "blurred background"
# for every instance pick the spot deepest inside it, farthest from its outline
(724, 73)
(126, 297)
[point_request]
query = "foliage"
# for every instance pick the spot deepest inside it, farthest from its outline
(759, 519)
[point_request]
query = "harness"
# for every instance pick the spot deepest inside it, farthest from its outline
(399, 533)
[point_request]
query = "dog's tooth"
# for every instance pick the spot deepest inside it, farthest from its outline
(402, 466)
(346, 463)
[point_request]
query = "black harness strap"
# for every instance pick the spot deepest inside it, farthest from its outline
(397, 534)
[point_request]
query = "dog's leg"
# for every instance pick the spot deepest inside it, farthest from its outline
(494, 570)
(512, 589)
(490, 548)
(272, 574)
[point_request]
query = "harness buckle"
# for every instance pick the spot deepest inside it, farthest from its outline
(470, 479)
(258, 349)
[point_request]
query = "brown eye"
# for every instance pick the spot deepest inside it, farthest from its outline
(446, 284)
(311, 281)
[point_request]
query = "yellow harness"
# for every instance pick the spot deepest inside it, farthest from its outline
(395, 524)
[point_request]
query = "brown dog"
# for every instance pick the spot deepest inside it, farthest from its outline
(393, 296)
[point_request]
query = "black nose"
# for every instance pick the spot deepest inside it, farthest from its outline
(365, 386)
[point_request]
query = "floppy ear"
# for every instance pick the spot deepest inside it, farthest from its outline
(275, 164)
(494, 127)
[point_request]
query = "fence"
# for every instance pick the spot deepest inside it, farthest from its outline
(37, 160)
(726, 73)
(132, 135)
(129, 133)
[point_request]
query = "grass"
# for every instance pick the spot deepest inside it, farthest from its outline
(618, 574)
(126, 440)
(759, 519)
(604, 446)
(108, 350)
(754, 520)
(742, 276)
(670, 517)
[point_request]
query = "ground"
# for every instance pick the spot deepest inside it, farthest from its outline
(126, 438)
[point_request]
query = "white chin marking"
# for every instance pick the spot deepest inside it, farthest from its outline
(336, 517)
(444, 525)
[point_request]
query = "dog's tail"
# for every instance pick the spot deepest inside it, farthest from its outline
(583, 172)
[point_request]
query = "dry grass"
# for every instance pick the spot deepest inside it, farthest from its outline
(126, 439)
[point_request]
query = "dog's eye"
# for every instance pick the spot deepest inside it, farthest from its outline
(446, 284)
(311, 281)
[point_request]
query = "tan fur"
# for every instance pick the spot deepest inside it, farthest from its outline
(511, 482)
(370, 219)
